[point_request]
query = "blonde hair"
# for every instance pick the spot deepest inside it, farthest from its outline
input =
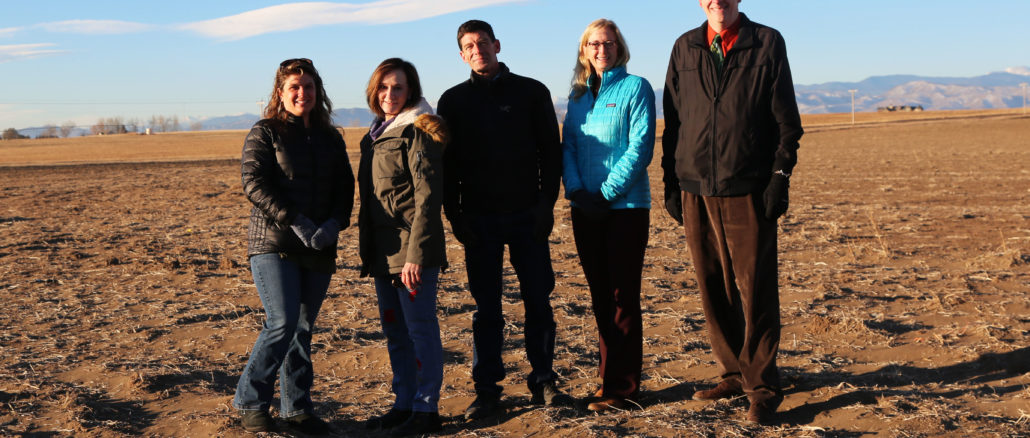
(583, 71)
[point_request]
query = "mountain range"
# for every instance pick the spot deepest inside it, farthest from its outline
(993, 90)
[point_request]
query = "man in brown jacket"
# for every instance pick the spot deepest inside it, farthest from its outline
(730, 144)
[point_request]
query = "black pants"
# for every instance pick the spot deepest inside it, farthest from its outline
(611, 251)
(733, 247)
(531, 260)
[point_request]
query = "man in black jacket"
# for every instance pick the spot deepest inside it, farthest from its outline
(501, 176)
(730, 144)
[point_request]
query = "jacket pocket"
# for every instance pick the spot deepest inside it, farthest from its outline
(391, 181)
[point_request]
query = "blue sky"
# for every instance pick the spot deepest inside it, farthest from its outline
(77, 60)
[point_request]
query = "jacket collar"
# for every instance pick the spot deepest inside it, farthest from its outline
(609, 76)
(406, 118)
(294, 120)
(745, 36)
(502, 74)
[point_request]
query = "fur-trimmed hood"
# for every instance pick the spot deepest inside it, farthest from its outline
(422, 117)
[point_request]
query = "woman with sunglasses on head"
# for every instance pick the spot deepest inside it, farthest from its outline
(607, 142)
(297, 176)
(400, 180)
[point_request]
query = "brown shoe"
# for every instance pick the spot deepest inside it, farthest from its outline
(609, 404)
(599, 393)
(725, 389)
(761, 414)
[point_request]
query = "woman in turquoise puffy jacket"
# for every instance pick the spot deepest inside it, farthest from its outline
(608, 140)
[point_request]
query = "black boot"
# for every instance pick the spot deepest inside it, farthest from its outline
(308, 424)
(419, 423)
(257, 421)
(486, 404)
(388, 420)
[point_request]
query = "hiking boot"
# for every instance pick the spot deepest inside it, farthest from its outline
(485, 405)
(308, 424)
(608, 404)
(257, 421)
(419, 423)
(725, 389)
(388, 420)
(761, 414)
(763, 405)
(549, 394)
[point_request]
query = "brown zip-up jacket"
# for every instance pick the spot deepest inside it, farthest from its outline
(726, 135)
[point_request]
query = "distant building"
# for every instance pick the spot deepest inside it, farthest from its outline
(905, 108)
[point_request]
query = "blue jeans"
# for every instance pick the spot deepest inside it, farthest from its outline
(413, 339)
(531, 260)
(291, 296)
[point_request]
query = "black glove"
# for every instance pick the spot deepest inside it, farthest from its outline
(593, 205)
(463, 232)
(326, 234)
(304, 229)
(674, 203)
(775, 199)
(544, 223)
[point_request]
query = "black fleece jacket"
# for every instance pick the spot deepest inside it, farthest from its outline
(726, 135)
(505, 152)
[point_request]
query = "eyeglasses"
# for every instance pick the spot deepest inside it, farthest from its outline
(596, 45)
(291, 61)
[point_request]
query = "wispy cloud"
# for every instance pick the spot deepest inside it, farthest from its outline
(8, 31)
(24, 51)
(296, 16)
(95, 27)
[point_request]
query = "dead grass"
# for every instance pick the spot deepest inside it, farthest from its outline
(126, 306)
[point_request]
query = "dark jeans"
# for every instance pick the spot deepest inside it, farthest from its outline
(611, 251)
(531, 260)
(413, 340)
(733, 247)
(291, 296)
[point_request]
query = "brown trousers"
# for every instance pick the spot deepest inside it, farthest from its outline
(611, 251)
(733, 247)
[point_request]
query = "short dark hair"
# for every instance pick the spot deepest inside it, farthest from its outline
(475, 26)
(384, 68)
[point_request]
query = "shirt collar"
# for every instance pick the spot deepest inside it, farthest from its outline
(729, 35)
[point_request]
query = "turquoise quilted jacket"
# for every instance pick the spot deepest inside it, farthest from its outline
(608, 142)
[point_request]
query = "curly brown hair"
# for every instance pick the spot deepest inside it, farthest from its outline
(321, 114)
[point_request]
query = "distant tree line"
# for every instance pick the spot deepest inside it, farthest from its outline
(110, 125)
(12, 134)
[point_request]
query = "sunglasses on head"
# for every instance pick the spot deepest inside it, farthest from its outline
(291, 61)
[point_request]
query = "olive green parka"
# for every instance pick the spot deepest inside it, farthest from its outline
(400, 180)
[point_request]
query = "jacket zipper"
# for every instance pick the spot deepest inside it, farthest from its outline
(715, 112)
(418, 164)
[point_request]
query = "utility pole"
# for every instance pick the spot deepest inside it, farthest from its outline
(853, 104)
(261, 107)
(1023, 85)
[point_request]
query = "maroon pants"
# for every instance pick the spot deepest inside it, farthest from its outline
(611, 251)
(733, 247)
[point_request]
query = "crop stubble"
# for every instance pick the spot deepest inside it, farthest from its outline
(126, 305)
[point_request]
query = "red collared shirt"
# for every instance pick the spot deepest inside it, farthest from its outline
(729, 36)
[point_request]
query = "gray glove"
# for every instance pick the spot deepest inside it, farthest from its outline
(304, 229)
(326, 235)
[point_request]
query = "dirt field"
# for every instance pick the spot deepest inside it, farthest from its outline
(127, 307)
